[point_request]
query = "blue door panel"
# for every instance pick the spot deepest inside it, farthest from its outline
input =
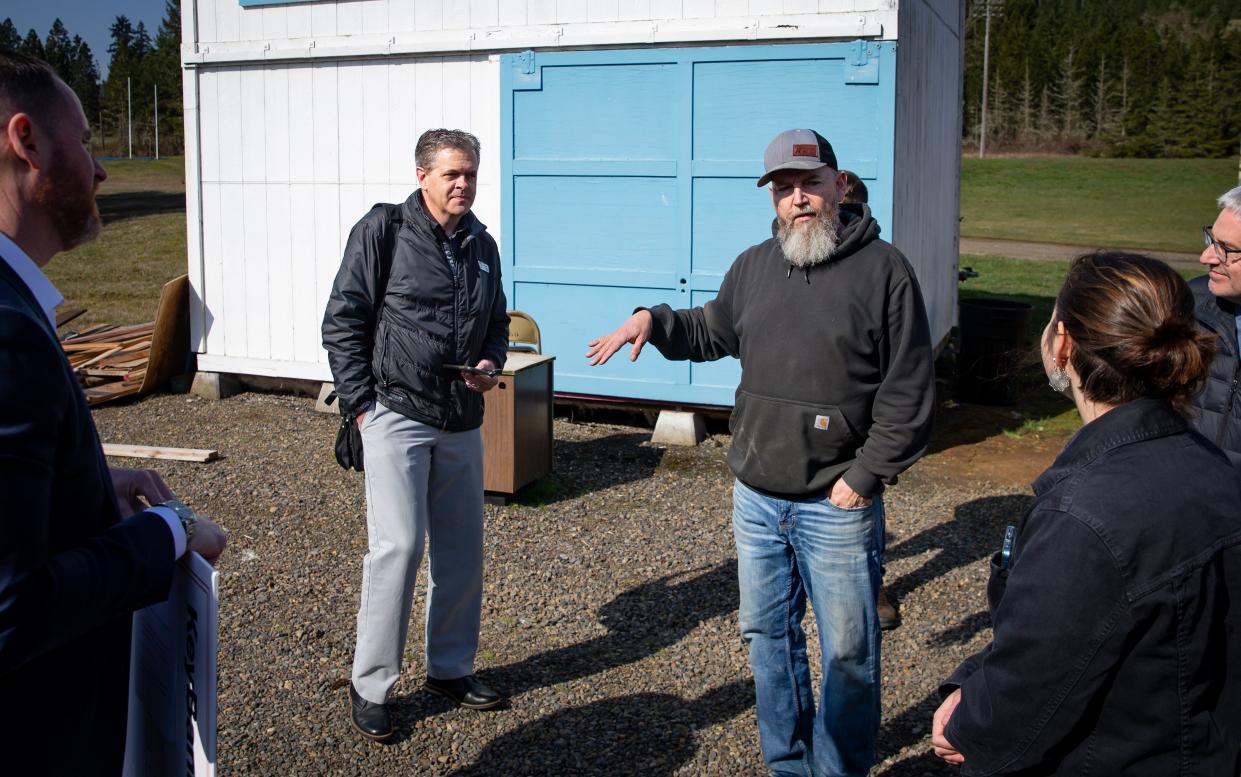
(569, 316)
(595, 222)
(720, 377)
(730, 214)
(628, 179)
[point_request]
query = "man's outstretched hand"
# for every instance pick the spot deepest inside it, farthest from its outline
(636, 330)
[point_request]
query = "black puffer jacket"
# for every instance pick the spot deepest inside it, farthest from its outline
(1219, 405)
(407, 300)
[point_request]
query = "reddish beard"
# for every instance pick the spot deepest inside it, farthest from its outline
(72, 207)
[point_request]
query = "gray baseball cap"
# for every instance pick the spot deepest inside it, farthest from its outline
(797, 149)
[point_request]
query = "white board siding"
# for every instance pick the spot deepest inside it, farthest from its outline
(292, 156)
(927, 163)
(226, 32)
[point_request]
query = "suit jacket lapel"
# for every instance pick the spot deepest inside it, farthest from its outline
(9, 276)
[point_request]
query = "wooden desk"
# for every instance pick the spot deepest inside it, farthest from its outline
(517, 425)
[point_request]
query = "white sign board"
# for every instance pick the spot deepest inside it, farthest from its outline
(172, 679)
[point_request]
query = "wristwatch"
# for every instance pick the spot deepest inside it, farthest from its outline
(189, 519)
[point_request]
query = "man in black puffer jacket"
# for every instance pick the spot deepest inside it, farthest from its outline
(1218, 294)
(419, 289)
(835, 401)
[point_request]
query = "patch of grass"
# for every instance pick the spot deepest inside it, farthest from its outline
(131, 175)
(1038, 408)
(118, 276)
(1132, 203)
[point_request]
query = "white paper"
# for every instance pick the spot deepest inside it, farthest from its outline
(172, 679)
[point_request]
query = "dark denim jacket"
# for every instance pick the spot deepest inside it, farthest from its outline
(1116, 647)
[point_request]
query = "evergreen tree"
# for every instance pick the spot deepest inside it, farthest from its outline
(163, 67)
(58, 49)
(32, 46)
(121, 69)
(10, 38)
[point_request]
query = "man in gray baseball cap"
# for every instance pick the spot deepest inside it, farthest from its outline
(797, 149)
(835, 401)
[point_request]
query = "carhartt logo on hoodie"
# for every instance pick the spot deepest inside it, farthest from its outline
(821, 422)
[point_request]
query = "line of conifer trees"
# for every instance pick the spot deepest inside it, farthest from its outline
(1150, 78)
(147, 63)
(1147, 78)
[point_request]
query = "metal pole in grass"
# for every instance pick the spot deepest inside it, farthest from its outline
(129, 113)
(157, 121)
(986, 55)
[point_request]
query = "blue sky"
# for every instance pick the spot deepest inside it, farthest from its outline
(88, 18)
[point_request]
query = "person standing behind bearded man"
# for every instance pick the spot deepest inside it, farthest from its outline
(835, 401)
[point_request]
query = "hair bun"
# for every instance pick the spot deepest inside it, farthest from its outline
(1169, 334)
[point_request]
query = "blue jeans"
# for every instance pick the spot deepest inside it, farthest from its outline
(788, 551)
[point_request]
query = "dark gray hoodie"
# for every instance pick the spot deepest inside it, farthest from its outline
(836, 365)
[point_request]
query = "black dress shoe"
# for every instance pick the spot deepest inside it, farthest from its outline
(467, 691)
(370, 718)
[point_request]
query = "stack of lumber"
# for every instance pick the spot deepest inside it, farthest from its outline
(110, 361)
(123, 361)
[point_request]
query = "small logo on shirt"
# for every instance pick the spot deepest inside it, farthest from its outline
(821, 422)
(483, 266)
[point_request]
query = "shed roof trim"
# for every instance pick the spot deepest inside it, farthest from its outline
(823, 26)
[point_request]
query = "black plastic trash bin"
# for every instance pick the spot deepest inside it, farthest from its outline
(993, 333)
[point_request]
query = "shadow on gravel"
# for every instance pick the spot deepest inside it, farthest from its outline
(909, 728)
(127, 205)
(639, 734)
(976, 531)
(640, 622)
(584, 466)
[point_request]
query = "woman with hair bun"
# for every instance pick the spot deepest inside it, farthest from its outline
(1116, 601)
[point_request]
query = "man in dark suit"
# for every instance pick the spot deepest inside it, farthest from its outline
(79, 549)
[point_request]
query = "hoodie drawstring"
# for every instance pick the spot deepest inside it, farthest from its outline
(805, 270)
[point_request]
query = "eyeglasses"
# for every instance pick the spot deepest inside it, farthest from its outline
(1225, 253)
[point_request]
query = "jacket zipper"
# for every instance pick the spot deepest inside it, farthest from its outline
(1232, 396)
(453, 265)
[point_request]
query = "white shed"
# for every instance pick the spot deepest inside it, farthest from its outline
(621, 140)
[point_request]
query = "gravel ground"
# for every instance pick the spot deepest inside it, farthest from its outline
(609, 612)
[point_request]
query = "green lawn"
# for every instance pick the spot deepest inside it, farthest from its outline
(1122, 203)
(1035, 283)
(117, 277)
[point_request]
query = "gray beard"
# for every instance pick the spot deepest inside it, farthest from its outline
(809, 244)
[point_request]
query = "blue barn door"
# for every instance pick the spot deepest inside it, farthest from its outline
(628, 180)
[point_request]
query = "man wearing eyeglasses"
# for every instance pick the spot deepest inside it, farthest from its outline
(1219, 312)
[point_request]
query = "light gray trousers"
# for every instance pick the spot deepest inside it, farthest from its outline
(421, 484)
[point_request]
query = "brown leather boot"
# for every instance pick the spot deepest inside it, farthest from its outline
(889, 614)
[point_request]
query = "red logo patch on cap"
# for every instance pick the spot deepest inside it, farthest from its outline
(806, 149)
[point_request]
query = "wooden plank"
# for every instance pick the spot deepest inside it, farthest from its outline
(102, 346)
(109, 391)
(100, 357)
(171, 338)
(65, 315)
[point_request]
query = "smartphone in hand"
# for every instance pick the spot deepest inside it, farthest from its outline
(472, 370)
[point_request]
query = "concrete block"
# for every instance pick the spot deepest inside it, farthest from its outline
(321, 403)
(678, 427)
(215, 385)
